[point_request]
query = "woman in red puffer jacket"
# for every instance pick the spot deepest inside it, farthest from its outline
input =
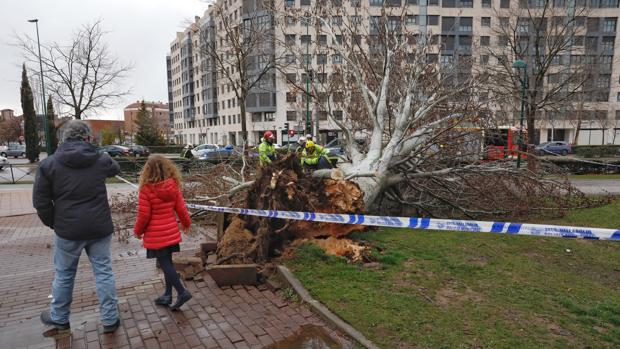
(159, 198)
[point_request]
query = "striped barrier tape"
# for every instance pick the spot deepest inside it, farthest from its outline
(427, 223)
(424, 223)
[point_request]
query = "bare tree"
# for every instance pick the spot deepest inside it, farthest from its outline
(82, 74)
(240, 54)
(565, 68)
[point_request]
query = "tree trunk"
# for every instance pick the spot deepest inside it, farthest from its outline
(244, 126)
(78, 113)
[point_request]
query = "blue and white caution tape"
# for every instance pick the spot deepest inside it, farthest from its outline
(428, 223)
(423, 223)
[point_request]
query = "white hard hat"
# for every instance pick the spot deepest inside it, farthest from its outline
(308, 136)
(302, 139)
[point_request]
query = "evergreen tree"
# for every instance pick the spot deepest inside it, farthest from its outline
(51, 126)
(148, 133)
(30, 119)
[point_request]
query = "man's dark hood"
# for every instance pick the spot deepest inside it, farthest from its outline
(77, 154)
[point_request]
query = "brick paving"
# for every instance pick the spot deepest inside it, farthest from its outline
(231, 317)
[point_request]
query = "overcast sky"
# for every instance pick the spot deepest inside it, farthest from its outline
(140, 32)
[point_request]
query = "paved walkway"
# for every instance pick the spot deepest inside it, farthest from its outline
(237, 317)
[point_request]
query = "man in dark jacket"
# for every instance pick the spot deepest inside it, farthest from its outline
(70, 197)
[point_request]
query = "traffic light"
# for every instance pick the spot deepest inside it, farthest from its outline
(286, 125)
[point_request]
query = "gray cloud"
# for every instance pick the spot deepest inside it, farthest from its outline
(139, 32)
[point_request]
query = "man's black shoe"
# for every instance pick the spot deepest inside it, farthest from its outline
(113, 327)
(165, 299)
(46, 319)
(181, 299)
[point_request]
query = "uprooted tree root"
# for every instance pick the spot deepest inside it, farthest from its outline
(285, 186)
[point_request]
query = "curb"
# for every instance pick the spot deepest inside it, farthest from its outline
(322, 310)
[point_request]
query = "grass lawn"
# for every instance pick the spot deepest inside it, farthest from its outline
(464, 290)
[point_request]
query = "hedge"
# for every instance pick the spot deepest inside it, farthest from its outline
(596, 151)
(578, 166)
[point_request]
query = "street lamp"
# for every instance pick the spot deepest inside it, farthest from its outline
(307, 23)
(521, 66)
(48, 146)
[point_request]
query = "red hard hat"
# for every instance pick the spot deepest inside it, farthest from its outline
(268, 134)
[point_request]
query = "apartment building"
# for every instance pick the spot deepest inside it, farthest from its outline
(159, 111)
(205, 109)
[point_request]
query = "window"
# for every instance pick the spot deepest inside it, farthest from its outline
(291, 115)
(484, 59)
(291, 77)
(433, 20)
(322, 77)
(336, 59)
(412, 2)
(559, 3)
(467, 3)
(485, 40)
(411, 19)
(447, 23)
(289, 39)
(355, 3)
(603, 81)
(486, 3)
(465, 24)
(323, 40)
(553, 78)
(257, 117)
(337, 115)
(337, 3)
(289, 58)
(448, 3)
(307, 58)
(609, 25)
(617, 100)
(504, 3)
(338, 40)
(291, 97)
(523, 25)
(290, 21)
(337, 20)
(305, 39)
(289, 3)
(355, 20)
(321, 58)
(608, 43)
(270, 116)
(485, 21)
(376, 2)
(393, 23)
(304, 2)
(593, 24)
(433, 2)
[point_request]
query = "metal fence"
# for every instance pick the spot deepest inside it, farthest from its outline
(18, 173)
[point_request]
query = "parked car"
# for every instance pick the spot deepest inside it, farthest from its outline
(14, 151)
(3, 162)
(139, 151)
(561, 148)
(221, 153)
(200, 150)
(116, 150)
(335, 147)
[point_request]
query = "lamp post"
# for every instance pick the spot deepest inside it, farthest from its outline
(520, 65)
(48, 146)
(307, 22)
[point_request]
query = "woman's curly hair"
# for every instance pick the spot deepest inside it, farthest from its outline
(158, 169)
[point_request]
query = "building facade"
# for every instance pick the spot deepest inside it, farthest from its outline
(159, 111)
(205, 109)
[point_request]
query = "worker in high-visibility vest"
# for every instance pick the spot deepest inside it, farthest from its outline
(314, 157)
(267, 150)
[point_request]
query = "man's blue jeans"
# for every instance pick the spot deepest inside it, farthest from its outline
(66, 257)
